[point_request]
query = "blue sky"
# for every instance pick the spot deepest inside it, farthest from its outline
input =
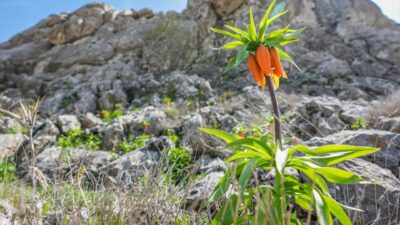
(18, 15)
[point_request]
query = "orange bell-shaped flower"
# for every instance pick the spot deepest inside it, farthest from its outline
(256, 71)
(276, 63)
(264, 59)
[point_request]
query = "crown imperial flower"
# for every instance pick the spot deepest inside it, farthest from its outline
(261, 49)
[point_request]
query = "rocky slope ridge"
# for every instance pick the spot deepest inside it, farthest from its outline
(160, 69)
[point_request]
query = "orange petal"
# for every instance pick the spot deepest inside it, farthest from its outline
(276, 62)
(263, 59)
(255, 70)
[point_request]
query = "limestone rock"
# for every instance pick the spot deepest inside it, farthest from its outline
(9, 144)
(67, 123)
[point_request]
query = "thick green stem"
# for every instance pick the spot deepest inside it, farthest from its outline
(275, 111)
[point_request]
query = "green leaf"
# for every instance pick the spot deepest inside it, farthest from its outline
(226, 33)
(255, 145)
(270, 21)
(296, 148)
(323, 214)
(252, 28)
(303, 201)
(337, 211)
(338, 148)
(231, 45)
(284, 56)
(262, 28)
(242, 55)
(221, 188)
(281, 41)
(231, 64)
(246, 174)
(296, 33)
(334, 158)
(237, 59)
(227, 137)
(309, 169)
(227, 214)
(238, 31)
(338, 176)
(278, 9)
(244, 155)
(277, 33)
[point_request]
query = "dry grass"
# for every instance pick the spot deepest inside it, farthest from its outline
(387, 107)
(154, 199)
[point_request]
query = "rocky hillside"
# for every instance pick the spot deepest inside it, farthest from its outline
(110, 76)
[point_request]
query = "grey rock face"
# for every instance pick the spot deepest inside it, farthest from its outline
(90, 120)
(389, 124)
(130, 167)
(57, 163)
(202, 189)
(379, 199)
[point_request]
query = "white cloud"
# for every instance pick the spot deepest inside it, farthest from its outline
(391, 8)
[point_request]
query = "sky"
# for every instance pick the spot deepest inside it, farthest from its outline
(18, 15)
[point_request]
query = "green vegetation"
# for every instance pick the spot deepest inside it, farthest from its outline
(178, 162)
(134, 143)
(172, 135)
(77, 138)
(109, 116)
(272, 201)
(7, 171)
(359, 124)
(225, 96)
(17, 130)
(66, 101)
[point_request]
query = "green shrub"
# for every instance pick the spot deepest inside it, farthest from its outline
(134, 143)
(178, 161)
(77, 138)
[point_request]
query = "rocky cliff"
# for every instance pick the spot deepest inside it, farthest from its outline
(158, 70)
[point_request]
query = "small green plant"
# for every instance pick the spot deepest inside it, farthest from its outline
(172, 111)
(168, 100)
(178, 161)
(7, 171)
(109, 116)
(359, 124)
(225, 96)
(17, 130)
(67, 101)
(172, 135)
(77, 138)
(134, 143)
